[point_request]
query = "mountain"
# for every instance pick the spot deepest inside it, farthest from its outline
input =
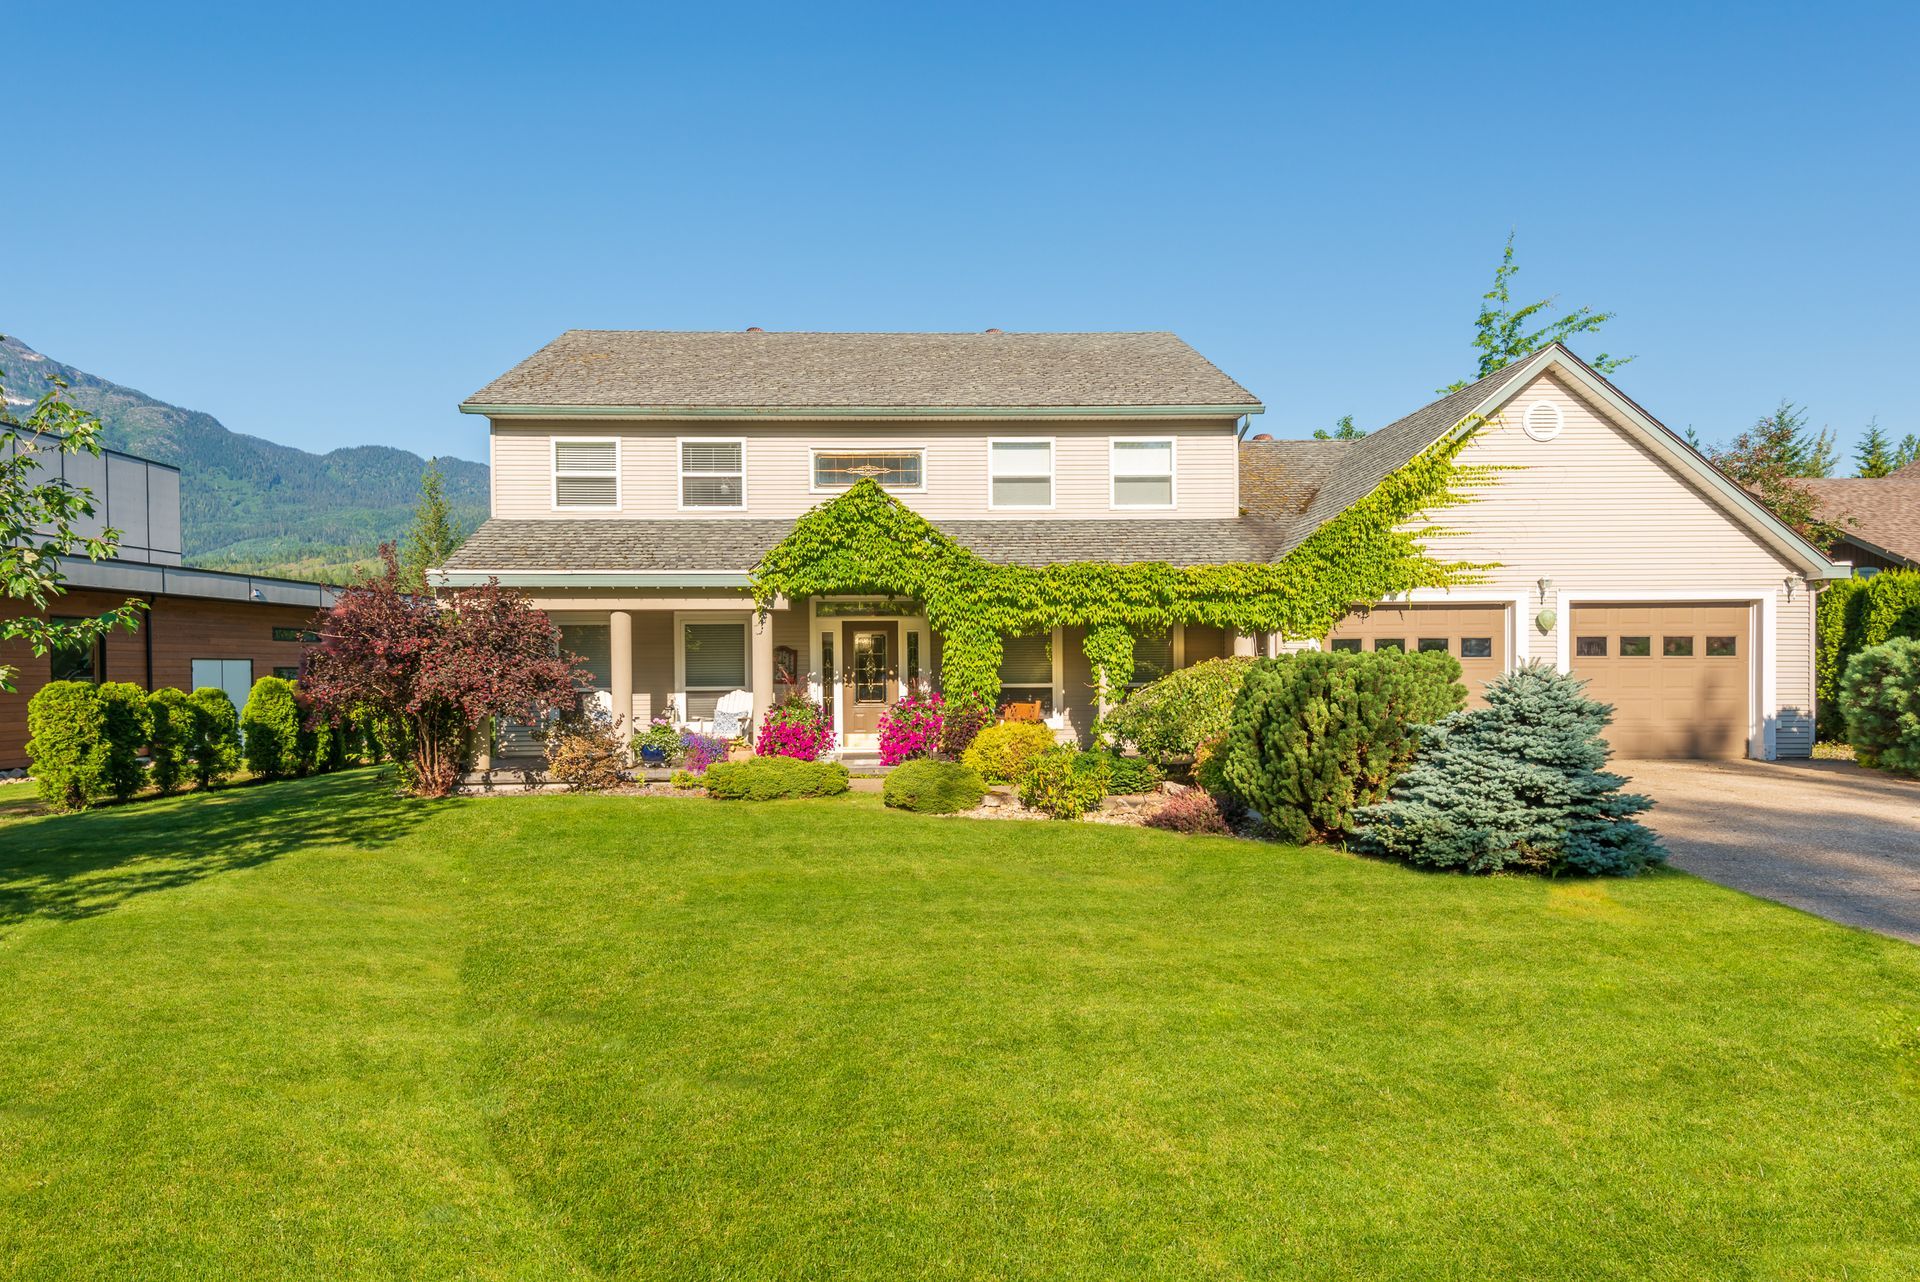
(251, 504)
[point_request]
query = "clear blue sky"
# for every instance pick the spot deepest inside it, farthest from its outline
(328, 224)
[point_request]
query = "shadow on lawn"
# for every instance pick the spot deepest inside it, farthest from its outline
(81, 865)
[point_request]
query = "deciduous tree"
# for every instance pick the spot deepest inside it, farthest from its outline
(1503, 333)
(1343, 430)
(1771, 457)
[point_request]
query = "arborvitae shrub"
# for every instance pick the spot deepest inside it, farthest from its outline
(270, 729)
(1064, 783)
(1880, 699)
(933, 787)
(1004, 753)
(171, 743)
(1170, 718)
(1517, 784)
(1855, 615)
(1317, 735)
(68, 747)
(774, 778)
(216, 736)
(127, 726)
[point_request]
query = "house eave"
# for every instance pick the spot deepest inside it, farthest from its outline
(592, 578)
(861, 411)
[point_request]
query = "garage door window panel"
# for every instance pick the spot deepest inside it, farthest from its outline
(1636, 647)
(1431, 645)
(1722, 648)
(1390, 643)
(1346, 645)
(1676, 647)
(1590, 647)
(1476, 647)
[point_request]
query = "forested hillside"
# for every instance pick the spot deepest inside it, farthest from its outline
(250, 503)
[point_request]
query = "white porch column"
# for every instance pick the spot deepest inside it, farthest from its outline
(760, 669)
(1245, 644)
(620, 660)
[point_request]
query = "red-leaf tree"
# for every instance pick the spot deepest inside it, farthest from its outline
(438, 666)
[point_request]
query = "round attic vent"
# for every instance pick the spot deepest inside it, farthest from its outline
(1543, 421)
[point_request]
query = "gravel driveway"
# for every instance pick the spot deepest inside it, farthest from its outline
(1826, 836)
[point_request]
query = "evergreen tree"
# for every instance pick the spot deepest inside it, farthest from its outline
(1873, 457)
(1501, 332)
(1344, 430)
(1516, 784)
(1909, 452)
(433, 537)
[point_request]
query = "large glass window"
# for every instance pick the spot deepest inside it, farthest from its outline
(1142, 473)
(713, 474)
(890, 469)
(1026, 670)
(586, 474)
(1020, 473)
(593, 643)
(1152, 656)
(76, 660)
(715, 664)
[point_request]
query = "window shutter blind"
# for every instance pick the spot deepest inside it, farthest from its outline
(584, 491)
(710, 456)
(594, 643)
(1152, 657)
(584, 456)
(1026, 661)
(716, 656)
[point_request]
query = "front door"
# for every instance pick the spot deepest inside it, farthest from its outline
(869, 674)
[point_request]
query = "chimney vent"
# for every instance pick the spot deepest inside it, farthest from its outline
(755, 329)
(996, 331)
(1264, 436)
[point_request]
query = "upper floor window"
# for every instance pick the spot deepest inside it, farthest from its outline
(1020, 473)
(586, 473)
(1142, 472)
(713, 473)
(891, 469)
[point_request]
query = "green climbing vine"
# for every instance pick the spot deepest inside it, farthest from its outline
(866, 541)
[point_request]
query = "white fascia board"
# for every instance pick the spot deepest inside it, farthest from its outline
(862, 411)
(594, 578)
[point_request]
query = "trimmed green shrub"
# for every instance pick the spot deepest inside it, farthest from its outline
(127, 727)
(1517, 784)
(171, 744)
(1855, 615)
(1004, 753)
(933, 787)
(1319, 734)
(774, 778)
(1170, 718)
(216, 736)
(270, 729)
(1064, 783)
(685, 779)
(1125, 775)
(68, 747)
(1880, 699)
(1190, 812)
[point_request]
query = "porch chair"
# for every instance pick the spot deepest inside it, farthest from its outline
(1029, 710)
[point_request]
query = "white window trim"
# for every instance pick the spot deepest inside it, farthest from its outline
(680, 470)
(553, 473)
(1173, 473)
(813, 464)
(1053, 477)
(680, 620)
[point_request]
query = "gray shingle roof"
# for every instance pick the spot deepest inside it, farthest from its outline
(1884, 514)
(663, 369)
(640, 546)
(1278, 479)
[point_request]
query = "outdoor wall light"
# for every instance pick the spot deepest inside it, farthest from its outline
(1546, 589)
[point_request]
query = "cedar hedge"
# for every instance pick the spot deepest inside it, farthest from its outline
(775, 779)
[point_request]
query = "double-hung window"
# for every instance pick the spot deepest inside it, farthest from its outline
(586, 474)
(1142, 471)
(1020, 473)
(1026, 670)
(713, 473)
(713, 663)
(1152, 657)
(889, 469)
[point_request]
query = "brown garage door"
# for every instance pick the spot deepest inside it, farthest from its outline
(1678, 676)
(1474, 634)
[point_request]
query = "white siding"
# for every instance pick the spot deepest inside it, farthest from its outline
(779, 465)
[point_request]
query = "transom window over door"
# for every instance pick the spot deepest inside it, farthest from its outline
(890, 469)
(1020, 473)
(713, 473)
(1142, 472)
(586, 474)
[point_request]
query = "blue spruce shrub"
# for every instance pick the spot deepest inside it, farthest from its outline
(1880, 700)
(1516, 785)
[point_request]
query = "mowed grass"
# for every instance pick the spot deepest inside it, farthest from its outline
(314, 1030)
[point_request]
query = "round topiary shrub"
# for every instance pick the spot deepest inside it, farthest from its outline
(68, 747)
(171, 744)
(1880, 700)
(127, 726)
(216, 736)
(270, 729)
(1004, 753)
(1064, 783)
(933, 787)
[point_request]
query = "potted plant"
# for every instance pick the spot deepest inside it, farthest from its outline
(658, 744)
(739, 750)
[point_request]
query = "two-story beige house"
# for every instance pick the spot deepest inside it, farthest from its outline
(638, 477)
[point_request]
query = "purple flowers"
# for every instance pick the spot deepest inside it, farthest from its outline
(698, 751)
(911, 728)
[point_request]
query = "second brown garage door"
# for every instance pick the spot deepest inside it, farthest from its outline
(1679, 677)
(1474, 634)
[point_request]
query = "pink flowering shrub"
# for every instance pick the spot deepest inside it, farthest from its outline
(911, 728)
(796, 727)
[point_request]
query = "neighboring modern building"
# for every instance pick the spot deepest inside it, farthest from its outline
(200, 627)
(638, 477)
(1881, 518)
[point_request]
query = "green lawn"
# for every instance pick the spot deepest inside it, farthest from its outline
(310, 1029)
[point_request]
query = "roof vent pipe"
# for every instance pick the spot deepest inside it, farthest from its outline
(755, 329)
(996, 331)
(1264, 436)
